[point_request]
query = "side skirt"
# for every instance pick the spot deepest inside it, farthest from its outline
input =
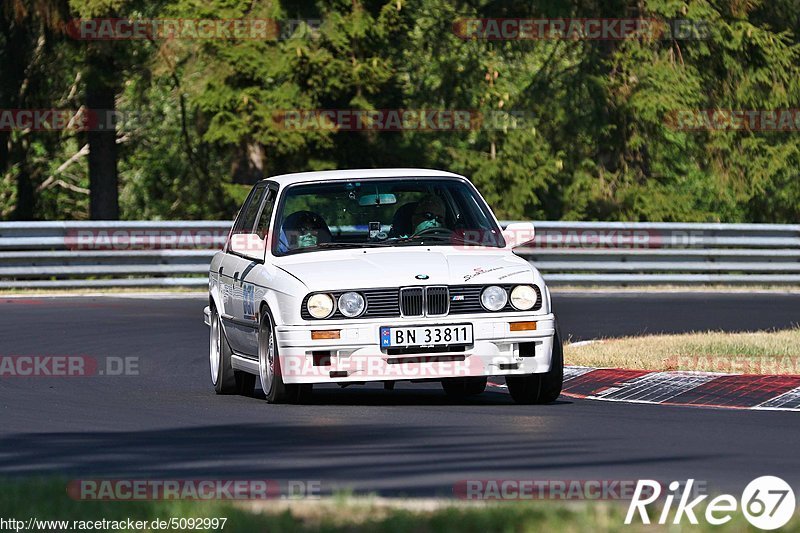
(246, 364)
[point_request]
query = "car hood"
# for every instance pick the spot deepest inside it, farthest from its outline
(397, 267)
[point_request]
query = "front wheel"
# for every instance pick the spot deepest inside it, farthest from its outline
(269, 368)
(540, 388)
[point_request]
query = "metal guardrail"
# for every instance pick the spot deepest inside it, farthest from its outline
(176, 254)
(108, 254)
(625, 253)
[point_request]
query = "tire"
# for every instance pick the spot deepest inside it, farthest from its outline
(269, 365)
(219, 357)
(225, 379)
(463, 387)
(540, 388)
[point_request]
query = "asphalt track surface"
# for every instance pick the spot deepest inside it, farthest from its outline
(167, 422)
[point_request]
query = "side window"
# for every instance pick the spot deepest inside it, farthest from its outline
(247, 217)
(262, 228)
(243, 240)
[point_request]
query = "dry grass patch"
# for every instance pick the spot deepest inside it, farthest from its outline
(99, 291)
(715, 287)
(760, 352)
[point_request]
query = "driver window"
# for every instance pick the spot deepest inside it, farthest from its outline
(243, 239)
(262, 228)
(247, 216)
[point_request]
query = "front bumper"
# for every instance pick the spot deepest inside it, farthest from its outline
(356, 356)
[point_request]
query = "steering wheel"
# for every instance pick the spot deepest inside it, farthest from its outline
(443, 231)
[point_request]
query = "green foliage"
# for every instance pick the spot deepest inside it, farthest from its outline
(46, 499)
(592, 140)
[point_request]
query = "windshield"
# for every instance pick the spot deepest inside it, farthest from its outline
(383, 212)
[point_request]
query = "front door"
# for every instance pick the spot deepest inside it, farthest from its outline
(243, 261)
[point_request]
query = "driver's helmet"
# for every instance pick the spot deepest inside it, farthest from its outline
(304, 229)
(429, 213)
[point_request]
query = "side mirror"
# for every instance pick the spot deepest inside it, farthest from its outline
(249, 245)
(518, 233)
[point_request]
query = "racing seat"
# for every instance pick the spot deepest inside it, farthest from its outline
(300, 222)
(401, 221)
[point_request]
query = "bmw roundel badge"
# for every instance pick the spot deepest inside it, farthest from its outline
(422, 276)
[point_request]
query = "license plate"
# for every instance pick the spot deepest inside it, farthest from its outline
(456, 334)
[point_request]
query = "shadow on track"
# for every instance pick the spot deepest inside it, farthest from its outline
(372, 395)
(385, 458)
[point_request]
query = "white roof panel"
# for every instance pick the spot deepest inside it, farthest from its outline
(324, 175)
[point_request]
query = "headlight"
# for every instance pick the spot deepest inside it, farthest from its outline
(523, 297)
(494, 298)
(351, 304)
(320, 305)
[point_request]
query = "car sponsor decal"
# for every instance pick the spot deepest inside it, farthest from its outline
(480, 270)
(249, 301)
(504, 276)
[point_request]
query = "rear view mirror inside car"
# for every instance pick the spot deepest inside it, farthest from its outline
(377, 199)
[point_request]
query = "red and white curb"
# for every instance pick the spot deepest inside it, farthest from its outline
(699, 389)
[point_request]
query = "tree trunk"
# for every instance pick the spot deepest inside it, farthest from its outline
(101, 91)
(14, 149)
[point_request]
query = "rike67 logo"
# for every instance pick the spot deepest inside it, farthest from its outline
(767, 503)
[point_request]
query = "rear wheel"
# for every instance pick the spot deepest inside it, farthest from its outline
(225, 379)
(463, 387)
(540, 388)
(219, 358)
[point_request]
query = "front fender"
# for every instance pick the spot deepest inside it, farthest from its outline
(282, 293)
(215, 296)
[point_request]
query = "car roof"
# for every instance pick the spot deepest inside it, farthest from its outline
(359, 174)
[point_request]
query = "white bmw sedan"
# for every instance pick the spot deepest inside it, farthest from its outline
(359, 276)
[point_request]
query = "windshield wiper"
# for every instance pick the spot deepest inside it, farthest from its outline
(335, 245)
(349, 244)
(453, 238)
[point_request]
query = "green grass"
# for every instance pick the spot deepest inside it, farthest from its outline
(759, 352)
(48, 500)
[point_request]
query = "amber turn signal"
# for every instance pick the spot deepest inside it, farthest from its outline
(325, 334)
(522, 326)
